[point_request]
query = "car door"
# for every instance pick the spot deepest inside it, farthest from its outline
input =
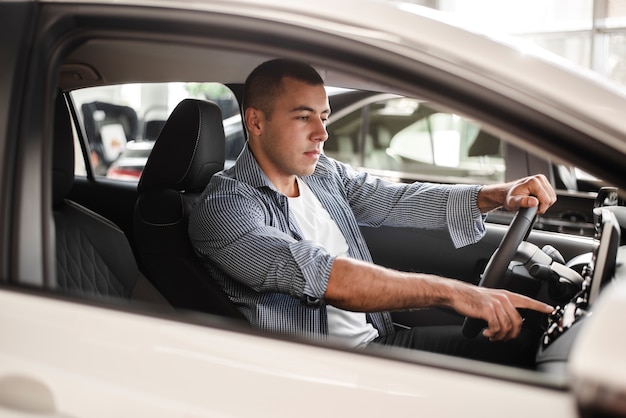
(65, 355)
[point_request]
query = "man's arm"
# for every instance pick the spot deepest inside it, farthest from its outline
(365, 287)
(360, 286)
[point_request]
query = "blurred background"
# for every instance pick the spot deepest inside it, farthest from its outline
(590, 33)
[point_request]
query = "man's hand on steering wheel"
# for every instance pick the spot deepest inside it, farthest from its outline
(524, 193)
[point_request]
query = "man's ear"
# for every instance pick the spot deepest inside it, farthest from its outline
(254, 120)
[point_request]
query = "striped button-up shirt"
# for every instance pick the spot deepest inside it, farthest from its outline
(242, 231)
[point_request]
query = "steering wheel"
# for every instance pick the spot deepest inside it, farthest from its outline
(493, 276)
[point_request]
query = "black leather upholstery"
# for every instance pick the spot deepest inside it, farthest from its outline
(93, 255)
(188, 151)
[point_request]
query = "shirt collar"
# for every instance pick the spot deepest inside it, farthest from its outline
(247, 170)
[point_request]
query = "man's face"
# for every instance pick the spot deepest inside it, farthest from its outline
(289, 143)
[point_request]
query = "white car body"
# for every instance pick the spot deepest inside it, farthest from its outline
(59, 357)
(132, 365)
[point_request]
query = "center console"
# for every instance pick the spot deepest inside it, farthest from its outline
(567, 320)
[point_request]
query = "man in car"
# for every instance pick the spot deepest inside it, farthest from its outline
(280, 233)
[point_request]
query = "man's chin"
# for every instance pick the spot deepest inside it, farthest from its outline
(307, 170)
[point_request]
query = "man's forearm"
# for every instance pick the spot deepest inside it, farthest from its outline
(364, 287)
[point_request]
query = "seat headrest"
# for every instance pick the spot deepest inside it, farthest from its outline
(189, 149)
(63, 153)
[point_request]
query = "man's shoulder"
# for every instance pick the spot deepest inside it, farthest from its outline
(226, 180)
(237, 182)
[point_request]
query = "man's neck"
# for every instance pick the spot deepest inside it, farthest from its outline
(290, 188)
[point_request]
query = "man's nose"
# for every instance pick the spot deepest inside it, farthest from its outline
(321, 134)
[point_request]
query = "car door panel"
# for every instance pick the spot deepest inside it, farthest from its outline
(142, 365)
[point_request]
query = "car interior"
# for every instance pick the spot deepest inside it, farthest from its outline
(129, 241)
(93, 256)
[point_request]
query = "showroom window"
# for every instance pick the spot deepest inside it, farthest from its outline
(589, 33)
(407, 139)
(121, 123)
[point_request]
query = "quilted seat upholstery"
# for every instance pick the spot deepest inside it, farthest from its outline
(90, 260)
(93, 256)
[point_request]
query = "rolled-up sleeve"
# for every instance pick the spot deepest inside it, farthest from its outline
(315, 264)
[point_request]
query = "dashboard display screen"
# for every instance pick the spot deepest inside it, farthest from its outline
(605, 252)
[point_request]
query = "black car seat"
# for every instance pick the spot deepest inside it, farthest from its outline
(93, 256)
(188, 151)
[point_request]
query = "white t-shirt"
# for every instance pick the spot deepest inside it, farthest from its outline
(317, 226)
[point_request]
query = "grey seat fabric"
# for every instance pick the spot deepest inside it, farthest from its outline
(188, 151)
(93, 256)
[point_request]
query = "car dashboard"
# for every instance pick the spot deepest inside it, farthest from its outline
(598, 270)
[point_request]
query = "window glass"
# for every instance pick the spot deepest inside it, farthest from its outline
(616, 13)
(122, 122)
(590, 33)
(616, 57)
(407, 136)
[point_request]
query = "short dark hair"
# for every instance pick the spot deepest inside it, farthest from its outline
(263, 84)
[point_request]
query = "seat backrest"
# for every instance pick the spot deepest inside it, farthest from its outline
(93, 255)
(188, 151)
